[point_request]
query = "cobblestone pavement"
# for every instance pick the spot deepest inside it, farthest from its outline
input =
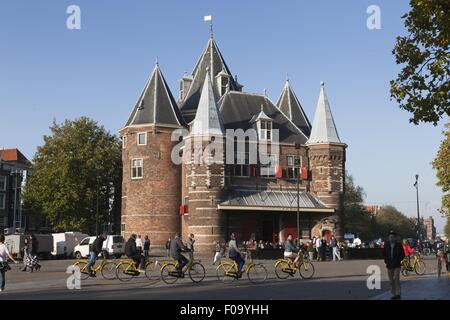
(332, 280)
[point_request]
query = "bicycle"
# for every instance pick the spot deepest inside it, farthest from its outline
(418, 266)
(287, 267)
(195, 270)
(228, 270)
(126, 270)
(106, 268)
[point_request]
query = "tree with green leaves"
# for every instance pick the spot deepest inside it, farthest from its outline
(356, 219)
(442, 166)
(77, 170)
(389, 218)
(423, 85)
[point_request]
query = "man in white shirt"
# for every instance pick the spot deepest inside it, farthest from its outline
(139, 244)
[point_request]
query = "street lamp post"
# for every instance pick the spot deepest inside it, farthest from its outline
(297, 164)
(416, 184)
(96, 213)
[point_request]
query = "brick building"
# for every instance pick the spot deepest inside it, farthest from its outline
(219, 186)
(430, 228)
(14, 170)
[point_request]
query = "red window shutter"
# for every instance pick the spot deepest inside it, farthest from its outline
(279, 173)
(183, 209)
(304, 173)
(253, 170)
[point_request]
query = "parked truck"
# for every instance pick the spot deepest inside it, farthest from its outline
(16, 244)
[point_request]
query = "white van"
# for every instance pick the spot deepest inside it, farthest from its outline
(113, 246)
(64, 243)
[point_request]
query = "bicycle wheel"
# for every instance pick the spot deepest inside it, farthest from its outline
(150, 271)
(197, 272)
(124, 271)
(257, 273)
(280, 269)
(306, 270)
(83, 272)
(226, 272)
(419, 267)
(108, 271)
(167, 272)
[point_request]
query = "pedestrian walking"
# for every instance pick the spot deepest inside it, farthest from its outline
(168, 247)
(190, 245)
(393, 254)
(26, 252)
(4, 267)
(139, 245)
(335, 247)
(146, 246)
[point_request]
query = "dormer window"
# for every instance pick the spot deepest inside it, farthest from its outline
(223, 82)
(265, 130)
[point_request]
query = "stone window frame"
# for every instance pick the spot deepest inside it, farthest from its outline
(5, 181)
(141, 166)
(124, 142)
(271, 166)
(137, 140)
(293, 166)
(265, 132)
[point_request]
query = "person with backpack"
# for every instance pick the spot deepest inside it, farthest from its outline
(132, 252)
(4, 267)
(94, 250)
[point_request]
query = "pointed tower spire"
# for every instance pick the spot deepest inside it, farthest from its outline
(291, 107)
(207, 121)
(323, 129)
(156, 104)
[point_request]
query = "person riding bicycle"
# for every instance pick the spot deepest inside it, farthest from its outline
(290, 250)
(235, 254)
(132, 252)
(176, 248)
(408, 251)
(94, 249)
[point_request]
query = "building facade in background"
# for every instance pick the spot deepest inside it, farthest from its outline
(300, 167)
(14, 171)
(430, 228)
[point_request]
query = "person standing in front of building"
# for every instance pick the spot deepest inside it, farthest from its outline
(168, 247)
(393, 254)
(146, 246)
(4, 255)
(319, 249)
(190, 245)
(139, 245)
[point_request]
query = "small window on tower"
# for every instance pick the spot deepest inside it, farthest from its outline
(124, 142)
(142, 138)
(137, 168)
(320, 170)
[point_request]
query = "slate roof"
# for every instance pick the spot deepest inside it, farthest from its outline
(211, 58)
(240, 109)
(156, 104)
(287, 199)
(323, 129)
(207, 121)
(291, 107)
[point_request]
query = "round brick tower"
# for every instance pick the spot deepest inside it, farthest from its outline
(326, 154)
(151, 187)
(205, 173)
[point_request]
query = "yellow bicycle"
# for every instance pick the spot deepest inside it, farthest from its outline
(417, 265)
(287, 267)
(227, 271)
(126, 270)
(107, 268)
(195, 270)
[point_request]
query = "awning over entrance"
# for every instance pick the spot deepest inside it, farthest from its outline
(272, 200)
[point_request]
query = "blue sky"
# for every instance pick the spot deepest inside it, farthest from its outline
(49, 72)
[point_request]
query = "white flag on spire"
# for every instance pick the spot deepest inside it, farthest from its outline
(207, 18)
